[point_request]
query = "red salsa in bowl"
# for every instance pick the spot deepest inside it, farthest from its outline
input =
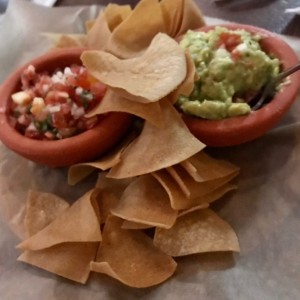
(53, 106)
(42, 112)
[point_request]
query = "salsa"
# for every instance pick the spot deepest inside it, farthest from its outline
(53, 106)
(231, 67)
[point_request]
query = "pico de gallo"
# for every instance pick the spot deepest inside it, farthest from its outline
(53, 106)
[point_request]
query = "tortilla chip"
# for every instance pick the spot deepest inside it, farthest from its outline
(106, 201)
(157, 148)
(130, 257)
(180, 181)
(194, 208)
(203, 202)
(135, 33)
(202, 194)
(41, 210)
(192, 17)
(193, 189)
(145, 201)
(66, 40)
(115, 14)
(197, 232)
(114, 102)
(89, 24)
(69, 260)
(158, 71)
(134, 225)
(99, 34)
(79, 223)
(203, 167)
(172, 12)
(110, 185)
(187, 86)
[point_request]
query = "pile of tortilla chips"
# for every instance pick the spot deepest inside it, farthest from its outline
(151, 201)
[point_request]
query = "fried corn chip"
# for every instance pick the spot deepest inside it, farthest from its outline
(82, 215)
(158, 71)
(172, 13)
(115, 14)
(130, 257)
(192, 17)
(198, 189)
(110, 185)
(134, 225)
(194, 208)
(66, 40)
(145, 201)
(89, 24)
(187, 86)
(135, 33)
(69, 260)
(41, 210)
(203, 167)
(198, 232)
(112, 101)
(157, 148)
(99, 34)
(106, 201)
(180, 201)
(203, 202)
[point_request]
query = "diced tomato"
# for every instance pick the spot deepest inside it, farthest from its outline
(55, 97)
(235, 55)
(33, 134)
(59, 120)
(62, 93)
(229, 40)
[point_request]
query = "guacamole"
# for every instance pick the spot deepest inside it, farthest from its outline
(231, 68)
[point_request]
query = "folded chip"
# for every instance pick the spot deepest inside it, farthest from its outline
(112, 101)
(130, 257)
(145, 201)
(78, 223)
(158, 71)
(157, 148)
(69, 260)
(41, 210)
(197, 232)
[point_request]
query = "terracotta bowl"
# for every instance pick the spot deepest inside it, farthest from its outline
(83, 147)
(238, 130)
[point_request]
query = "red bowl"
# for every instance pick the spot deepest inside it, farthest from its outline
(238, 130)
(83, 147)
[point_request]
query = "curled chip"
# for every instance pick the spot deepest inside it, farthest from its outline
(130, 257)
(135, 33)
(197, 232)
(157, 148)
(203, 167)
(158, 71)
(41, 210)
(145, 201)
(82, 215)
(187, 86)
(112, 101)
(99, 33)
(69, 260)
(66, 40)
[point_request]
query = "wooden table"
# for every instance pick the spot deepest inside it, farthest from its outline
(268, 14)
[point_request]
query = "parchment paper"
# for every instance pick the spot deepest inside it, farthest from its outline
(264, 211)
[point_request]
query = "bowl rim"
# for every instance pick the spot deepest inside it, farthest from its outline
(233, 129)
(34, 149)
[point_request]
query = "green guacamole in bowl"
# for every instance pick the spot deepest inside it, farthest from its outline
(231, 68)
